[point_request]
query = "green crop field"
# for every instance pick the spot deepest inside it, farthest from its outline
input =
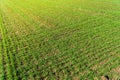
(59, 39)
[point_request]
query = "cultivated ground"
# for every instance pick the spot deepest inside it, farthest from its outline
(59, 39)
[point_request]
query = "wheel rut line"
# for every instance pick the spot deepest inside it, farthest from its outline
(7, 58)
(1, 53)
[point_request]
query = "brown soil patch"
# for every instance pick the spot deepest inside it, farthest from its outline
(104, 78)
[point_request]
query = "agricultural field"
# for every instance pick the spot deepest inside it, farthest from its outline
(59, 39)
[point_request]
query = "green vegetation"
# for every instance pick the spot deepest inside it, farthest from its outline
(59, 39)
